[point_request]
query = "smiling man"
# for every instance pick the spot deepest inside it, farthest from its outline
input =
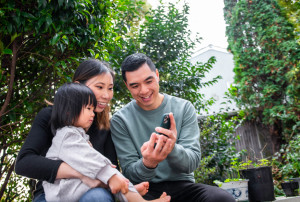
(166, 161)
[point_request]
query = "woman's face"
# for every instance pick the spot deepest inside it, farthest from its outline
(102, 86)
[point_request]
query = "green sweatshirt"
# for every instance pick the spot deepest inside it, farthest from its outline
(132, 126)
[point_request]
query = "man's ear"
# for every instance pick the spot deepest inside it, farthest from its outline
(157, 74)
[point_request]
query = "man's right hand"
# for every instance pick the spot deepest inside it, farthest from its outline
(153, 155)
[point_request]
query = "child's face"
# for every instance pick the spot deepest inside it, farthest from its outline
(86, 117)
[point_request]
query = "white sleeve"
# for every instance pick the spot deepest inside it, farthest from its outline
(76, 152)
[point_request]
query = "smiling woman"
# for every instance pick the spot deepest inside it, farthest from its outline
(99, 77)
(31, 161)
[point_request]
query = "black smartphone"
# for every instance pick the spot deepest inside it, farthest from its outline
(165, 123)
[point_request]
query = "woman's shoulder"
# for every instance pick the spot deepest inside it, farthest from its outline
(45, 112)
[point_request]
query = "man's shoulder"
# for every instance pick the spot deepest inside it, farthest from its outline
(177, 100)
(128, 108)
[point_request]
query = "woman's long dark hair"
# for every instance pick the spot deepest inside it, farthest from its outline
(87, 70)
(69, 101)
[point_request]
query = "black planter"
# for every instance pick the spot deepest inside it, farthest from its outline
(290, 188)
(260, 185)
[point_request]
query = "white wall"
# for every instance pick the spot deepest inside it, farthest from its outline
(223, 67)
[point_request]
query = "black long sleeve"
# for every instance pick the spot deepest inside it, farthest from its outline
(31, 161)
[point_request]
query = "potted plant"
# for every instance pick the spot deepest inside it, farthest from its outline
(237, 187)
(290, 188)
(287, 169)
(260, 185)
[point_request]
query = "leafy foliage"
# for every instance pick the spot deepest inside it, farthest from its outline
(217, 138)
(165, 38)
(266, 69)
(292, 9)
(41, 43)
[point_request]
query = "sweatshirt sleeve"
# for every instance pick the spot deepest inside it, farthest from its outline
(187, 148)
(77, 153)
(130, 161)
(31, 161)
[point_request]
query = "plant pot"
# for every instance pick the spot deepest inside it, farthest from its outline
(290, 188)
(260, 185)
(238, 189)
(296, 180)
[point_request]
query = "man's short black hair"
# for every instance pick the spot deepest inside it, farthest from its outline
(134, 62)
(69, 101)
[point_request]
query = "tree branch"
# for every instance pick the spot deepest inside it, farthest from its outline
(7, 179)
(12, 78)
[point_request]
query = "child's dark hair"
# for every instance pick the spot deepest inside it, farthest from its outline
(69, 100)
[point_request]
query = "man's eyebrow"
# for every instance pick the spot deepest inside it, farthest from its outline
(148, 78)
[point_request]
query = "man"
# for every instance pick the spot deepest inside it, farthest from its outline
(166, 161)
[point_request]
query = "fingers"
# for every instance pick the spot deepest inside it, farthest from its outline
(124, 188)
(172, 132)
(172, 121)
(113, 166)
(152, 141)
(160, 143)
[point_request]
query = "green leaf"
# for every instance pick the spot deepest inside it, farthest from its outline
(7, 51)
(55, 39)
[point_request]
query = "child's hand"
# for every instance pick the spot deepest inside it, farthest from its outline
(118, 184)
(92, 183)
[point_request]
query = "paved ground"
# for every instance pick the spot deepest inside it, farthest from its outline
(288, 199)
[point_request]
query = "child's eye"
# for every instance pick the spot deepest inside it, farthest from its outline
(100, 87)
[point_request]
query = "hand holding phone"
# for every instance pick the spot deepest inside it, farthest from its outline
(165, 123)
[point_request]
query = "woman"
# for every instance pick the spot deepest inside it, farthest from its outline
(31, 161)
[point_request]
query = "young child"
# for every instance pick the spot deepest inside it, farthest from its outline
(72, 115)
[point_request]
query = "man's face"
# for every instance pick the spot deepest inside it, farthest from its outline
(144, 87)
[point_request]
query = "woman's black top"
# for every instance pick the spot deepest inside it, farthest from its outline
(31, 161)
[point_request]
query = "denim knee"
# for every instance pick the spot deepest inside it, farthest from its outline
(97, 195)
(39, 198)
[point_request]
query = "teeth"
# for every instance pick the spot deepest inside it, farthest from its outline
(146, 97)
(102, 103)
